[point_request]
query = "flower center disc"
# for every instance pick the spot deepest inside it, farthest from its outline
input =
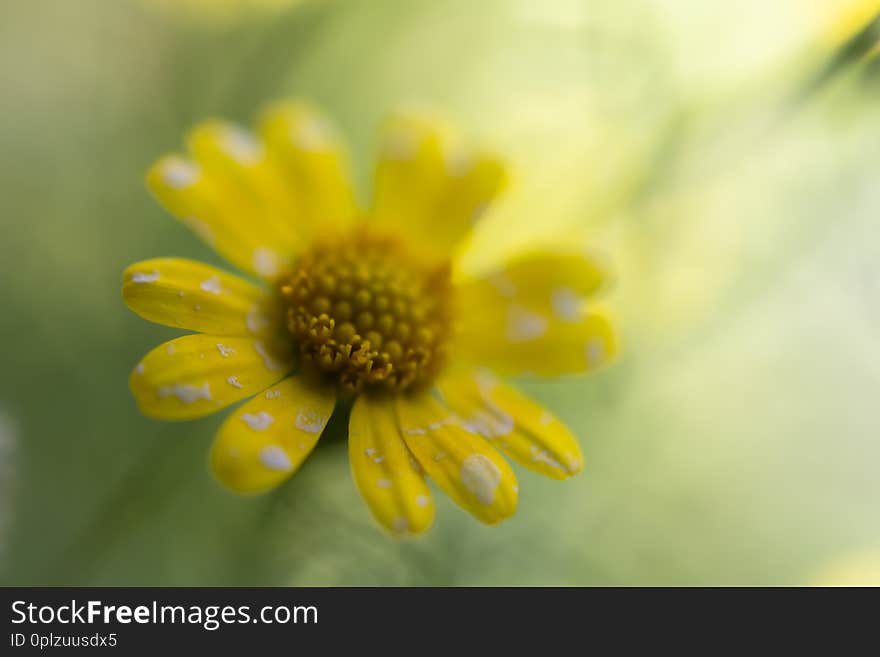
(366, 312)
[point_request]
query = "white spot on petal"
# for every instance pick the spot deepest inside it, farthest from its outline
(384, 483)
(139, 368)
(439, 424)
(542, 456)
(256, 321)
(240, 145)
(595, 352)
(489, 425)
(143, 277)
(481, 477)
(224, 350)
(369, 451)
(273, 394)
(266, 261)
(272, 364)
(170, 348)
(313, 134)
(212, 285)
(186, 392)
(258, 422)
(179, 174)
(486, 383)
(234, 382)
(275, 458)
(567, 304)
(524, 325)
(310, 421)
(423, 500)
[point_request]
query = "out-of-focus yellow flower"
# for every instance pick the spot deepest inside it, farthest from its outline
(366, 306)
(855, 570)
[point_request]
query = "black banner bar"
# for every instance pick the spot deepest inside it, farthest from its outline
(389, 620)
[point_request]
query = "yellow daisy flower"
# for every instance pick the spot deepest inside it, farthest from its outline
(360, 311)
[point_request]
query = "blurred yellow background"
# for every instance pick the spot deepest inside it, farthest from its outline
(724, 157)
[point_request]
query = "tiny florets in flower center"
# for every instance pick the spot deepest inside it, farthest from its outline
(368, 313)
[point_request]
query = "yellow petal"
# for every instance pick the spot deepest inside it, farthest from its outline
(250, 178)
(312, 163)
(533, 317)
(195, 375)
(522, 343)
(462, 464)
(556, 283)
(219, 215)
(266, 440)
(384, 471)
(197, 297)
(429, 187)
(513, 423)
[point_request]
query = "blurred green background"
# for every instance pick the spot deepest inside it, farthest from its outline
(724, 155)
